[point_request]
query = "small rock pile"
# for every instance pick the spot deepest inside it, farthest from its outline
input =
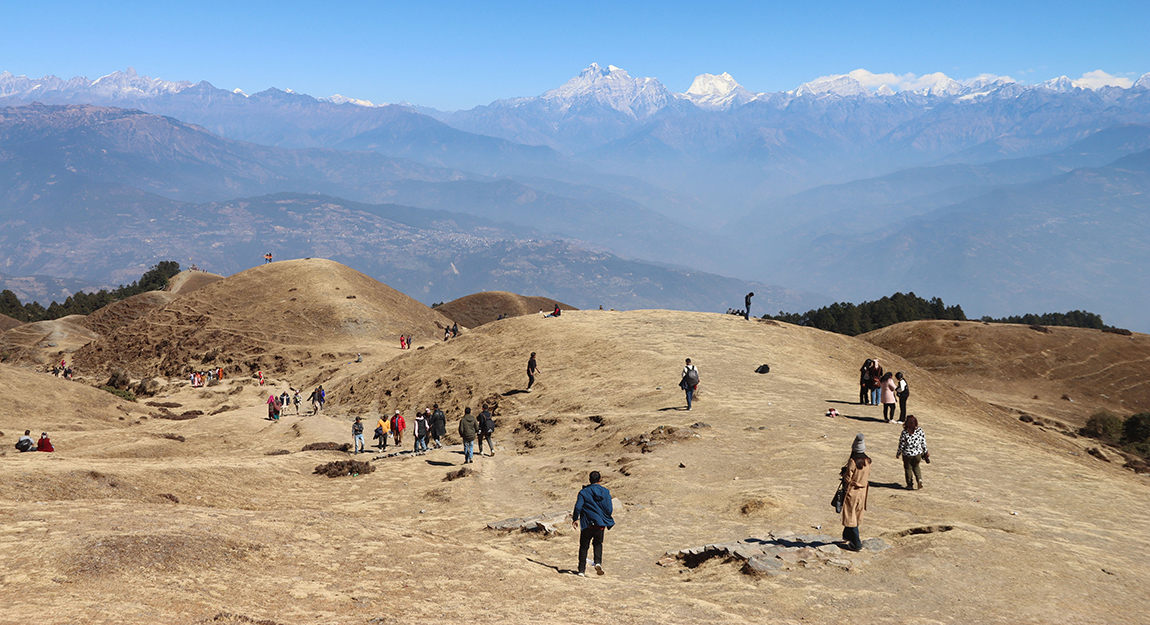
(545, 523)
(662, 435)
(776, 554)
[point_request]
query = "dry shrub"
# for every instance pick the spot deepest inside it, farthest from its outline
(183, 416)
(1097, 453)
(340, 468)
(327, 447)
(164, 404)
(170, 497)
(455, 475)
(223, 408)
(152, 553)
(227, 618)
(1118, 331)
(752, 505)
(438, 494)
(278, 452)
(174, 437)
(1038, 328)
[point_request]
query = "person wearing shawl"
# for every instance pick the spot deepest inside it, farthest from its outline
(856, 479)
(912, 449)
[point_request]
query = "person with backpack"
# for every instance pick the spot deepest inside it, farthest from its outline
(381, 433)
(26, 443)
(903, 392)
(468, 430)
(689, 381)
(592, 516)
(438, 424)
(357, 434)
(875, 381)
(419, 432)
(486, 427)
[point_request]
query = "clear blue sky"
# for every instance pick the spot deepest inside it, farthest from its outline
(459, 54)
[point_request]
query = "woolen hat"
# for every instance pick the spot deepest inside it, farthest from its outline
(859, 446)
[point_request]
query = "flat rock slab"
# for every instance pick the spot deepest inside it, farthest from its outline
(545, 523)
(774, 554)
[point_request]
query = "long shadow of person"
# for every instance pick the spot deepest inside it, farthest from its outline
(672, 408)
(553, 567)
(516, 391)
(894, 485)
(868, 419)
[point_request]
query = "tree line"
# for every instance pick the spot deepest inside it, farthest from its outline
(852, 320)
(154, 279)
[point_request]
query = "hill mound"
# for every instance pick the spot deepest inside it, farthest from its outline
(7, 323)
(273, 317)
(187, 281)
(125, 311)
(477, 309)
(46, 342)
(228, 494)
(1056, 372)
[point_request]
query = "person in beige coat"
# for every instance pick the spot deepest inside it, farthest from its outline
(856, 477)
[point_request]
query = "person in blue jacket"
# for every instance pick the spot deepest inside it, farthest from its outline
(593, 513)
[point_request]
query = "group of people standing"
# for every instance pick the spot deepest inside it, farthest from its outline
(200, 378)
(429, 428)
(879, 387)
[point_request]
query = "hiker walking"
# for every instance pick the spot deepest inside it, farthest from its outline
(438, 423)
(296, 400)
(532, 369)
(419, 431)
(912, 449)
(274, 408)
(486, 427)
(855, 476)
(468, 429)
(315, 403)
(381, 433)
(398, 425)
(592, 516)
(887, 390)
(357, 434)
(267, 258)
(747, 302)
(689, 381)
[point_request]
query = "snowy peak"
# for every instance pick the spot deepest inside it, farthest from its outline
(721, 92)
(131, 85)
(840, 85)
(1061, 84)
(938, 84)
(884, 91)
(1144, 81)
(612, 87)
(339, 99)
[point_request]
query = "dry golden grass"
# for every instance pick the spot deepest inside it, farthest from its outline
(1015, 524)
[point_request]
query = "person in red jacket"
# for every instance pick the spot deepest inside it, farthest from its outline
(398, 425)
(44, 444)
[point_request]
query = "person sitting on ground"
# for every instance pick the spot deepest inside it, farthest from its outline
(26, 443)
(44, 444)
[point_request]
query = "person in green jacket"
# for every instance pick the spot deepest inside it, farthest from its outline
(468, 430)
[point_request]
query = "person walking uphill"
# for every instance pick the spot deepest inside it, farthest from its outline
(856, 479)
(747, 305)
(532, 369)
(912, 449)
(468, 430)
(689, 381)
(593, 515)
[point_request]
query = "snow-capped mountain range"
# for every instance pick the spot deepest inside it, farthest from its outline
(611, 87)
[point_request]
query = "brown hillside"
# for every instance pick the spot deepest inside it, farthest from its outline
(7, 323)
(46, 342)
(187, 281)
(196, 519)
(125, 311)
(477, 309)
(273, 317)
(1030, 371)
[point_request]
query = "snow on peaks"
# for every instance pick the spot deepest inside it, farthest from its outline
(614, 88)
(884, 90)
(1144, 81)
(721, 92)
(130, 84)
(339, 99)
(841, 85)
(1061, 84)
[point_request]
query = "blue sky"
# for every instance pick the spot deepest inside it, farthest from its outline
(459, 54)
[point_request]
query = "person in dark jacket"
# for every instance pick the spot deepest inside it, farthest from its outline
(419, 430)
(747, 301)
(438, 426)
(532, 369)
(468, 430)
(26, 443)
(592, 516)
(486, 427)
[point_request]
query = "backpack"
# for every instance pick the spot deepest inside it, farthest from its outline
(691, 377)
